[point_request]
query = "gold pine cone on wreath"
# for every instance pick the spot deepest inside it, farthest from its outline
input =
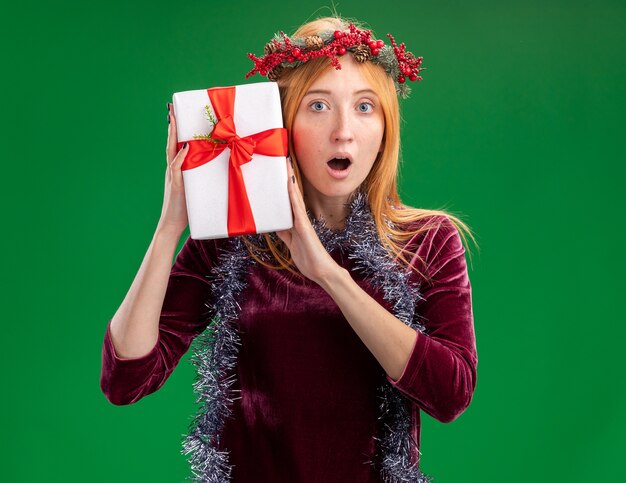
(313, 42)
(275, 73)
(361, 53)
(270, 48)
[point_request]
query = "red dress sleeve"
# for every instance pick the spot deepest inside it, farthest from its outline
(440, 375)
(183, 317)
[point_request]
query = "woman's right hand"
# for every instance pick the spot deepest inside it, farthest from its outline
(174, 211)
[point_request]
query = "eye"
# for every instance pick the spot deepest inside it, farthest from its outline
(365, 107)
(317, 106)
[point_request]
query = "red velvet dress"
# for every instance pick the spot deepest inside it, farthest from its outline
(308, 410)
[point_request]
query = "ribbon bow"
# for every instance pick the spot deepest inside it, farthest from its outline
(242, 148)
(272, 142)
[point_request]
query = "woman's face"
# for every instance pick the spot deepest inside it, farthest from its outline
(337, 131)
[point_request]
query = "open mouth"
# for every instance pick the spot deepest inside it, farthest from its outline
(339, 164)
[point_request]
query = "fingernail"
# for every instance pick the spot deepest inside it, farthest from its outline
(291, 162)
(168, 107)
(184, 145)
(168, 117)
(293, 178)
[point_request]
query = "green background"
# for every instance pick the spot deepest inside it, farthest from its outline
(518, 127)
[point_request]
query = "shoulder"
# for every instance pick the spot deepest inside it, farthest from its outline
(434, 240)
(198, 256)
(435, 229)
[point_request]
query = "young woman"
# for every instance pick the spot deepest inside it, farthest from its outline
(318, 346)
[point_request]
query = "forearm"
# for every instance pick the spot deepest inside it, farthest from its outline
(135, 325)
(388, 338)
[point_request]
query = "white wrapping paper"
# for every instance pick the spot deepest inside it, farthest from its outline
(257, 108)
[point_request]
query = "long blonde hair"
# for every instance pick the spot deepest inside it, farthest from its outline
(380, 185)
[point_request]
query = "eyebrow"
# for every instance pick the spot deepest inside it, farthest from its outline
(322, 91)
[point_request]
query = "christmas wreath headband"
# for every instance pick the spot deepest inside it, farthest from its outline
(283, 53)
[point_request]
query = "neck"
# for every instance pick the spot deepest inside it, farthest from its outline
(333, 209)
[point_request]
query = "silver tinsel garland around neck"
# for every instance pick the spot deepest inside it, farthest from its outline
(215, 350)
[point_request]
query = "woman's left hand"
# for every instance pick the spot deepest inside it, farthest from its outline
(306, 249)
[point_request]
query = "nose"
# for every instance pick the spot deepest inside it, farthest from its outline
(343, 127)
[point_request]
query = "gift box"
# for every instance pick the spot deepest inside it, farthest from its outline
(235, 172)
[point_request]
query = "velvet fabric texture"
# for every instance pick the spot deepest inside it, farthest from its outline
(306, 406)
